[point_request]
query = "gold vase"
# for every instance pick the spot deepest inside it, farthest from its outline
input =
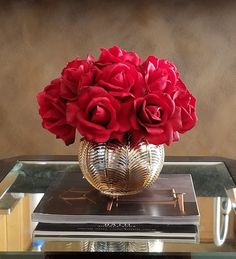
(116, 169)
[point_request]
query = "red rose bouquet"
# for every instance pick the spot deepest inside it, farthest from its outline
(118, 96)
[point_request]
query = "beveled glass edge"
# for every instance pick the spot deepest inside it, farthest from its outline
(37, 162)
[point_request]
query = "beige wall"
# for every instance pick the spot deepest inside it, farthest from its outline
(37, 38)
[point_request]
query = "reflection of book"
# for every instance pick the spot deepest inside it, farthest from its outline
(71, 200)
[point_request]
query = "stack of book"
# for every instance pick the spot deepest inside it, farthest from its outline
(72, 209)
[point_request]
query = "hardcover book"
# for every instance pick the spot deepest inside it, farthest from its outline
(116, 232)
(120, 230)
(171, 200)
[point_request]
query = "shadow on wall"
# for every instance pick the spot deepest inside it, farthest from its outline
(38, 38)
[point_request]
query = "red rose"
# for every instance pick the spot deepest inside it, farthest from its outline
(118, 97)
(159, 74)
(76, 74)
(156, 118)
(53, 112)
(117, 55)
(121, 80)
(187, 103)
(53, 90)
(94, 114)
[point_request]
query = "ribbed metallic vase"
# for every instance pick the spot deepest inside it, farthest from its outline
(116, 169)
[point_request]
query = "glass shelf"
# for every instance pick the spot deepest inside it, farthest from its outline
(30, 179)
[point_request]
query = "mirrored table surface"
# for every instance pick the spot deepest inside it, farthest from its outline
(24, 180)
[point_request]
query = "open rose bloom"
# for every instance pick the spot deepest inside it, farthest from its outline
(116, 97)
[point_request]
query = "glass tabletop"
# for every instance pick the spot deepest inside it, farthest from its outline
(26, 182)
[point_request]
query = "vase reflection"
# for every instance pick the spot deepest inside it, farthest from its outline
(123, 246)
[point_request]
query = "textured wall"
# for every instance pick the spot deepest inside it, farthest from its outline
(37, 38)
